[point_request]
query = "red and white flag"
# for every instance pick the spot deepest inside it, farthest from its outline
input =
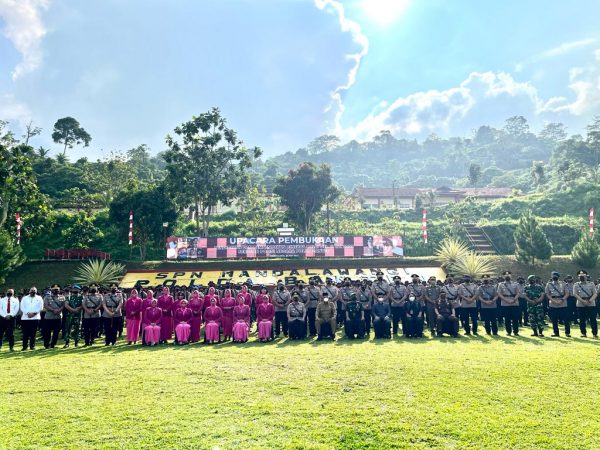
(18, 220)
(425, 225)
(591, 221)
(130, 227)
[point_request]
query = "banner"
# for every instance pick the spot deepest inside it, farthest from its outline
(283, 247)
(191, 277)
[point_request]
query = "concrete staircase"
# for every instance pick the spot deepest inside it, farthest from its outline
(479, 240)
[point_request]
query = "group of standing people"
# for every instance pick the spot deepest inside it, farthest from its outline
(224, 313)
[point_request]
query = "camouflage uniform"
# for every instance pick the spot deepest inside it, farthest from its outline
(535, 311)
(73, 329)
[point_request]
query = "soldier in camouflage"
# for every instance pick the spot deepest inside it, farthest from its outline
(534, 294)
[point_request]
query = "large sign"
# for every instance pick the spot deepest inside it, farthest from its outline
(153, 278)
(283, 246)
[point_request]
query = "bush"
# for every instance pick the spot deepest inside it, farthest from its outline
(586, 252)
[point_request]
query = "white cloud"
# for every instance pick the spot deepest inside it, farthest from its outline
(352, 27)
(585, 84)
(436, 110)
(560, 50)
(23, 26)
(13, 110)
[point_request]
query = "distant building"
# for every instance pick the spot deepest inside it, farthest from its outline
(405, 197)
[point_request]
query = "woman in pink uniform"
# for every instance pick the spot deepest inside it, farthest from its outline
(146, 303)
(227, 305)
(262, 297)
(165, 303)
(133, 316)
(208, 297)
(212, 322)
(264, 317)
(182, 318)
(152, 317)
(195, 304)
(241, 321)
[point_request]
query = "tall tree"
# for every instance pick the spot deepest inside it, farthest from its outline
(474, 174)
(304, 191)
(68, 132)
(587, 251)
(30, 131)
(151, 207)
(531, 242)
(516, 126)
(11, 255)
(553, 133)
(209, 166)
(323, 144)
(82, 233)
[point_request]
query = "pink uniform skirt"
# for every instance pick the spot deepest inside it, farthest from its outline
(240, 331)
(265, 327)
(211, 331)
(151, 334)
(182, 332)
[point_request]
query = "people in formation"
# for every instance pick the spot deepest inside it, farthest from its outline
(215, 313)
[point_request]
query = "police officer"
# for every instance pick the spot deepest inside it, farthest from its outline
(112, 315)
(54, 304)
(523, 303)
(467, 293)
(281, 300)
(487, 296)
(452, 295)
(413, 311)
(508, 292)
(314, 297)
(415, 287)
(365, 298)
(397, 295)
(355, 319)
(558, 295)
(534, 295)
(330, 289)
(92, 303)
(446, 321)
(571, 300)
(381, 318)
(431, 294)
(585, 293)
(380, 287)
(344, 294)
(73, 311)
(325, 314)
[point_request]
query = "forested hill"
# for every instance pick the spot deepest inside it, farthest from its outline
(509, 157)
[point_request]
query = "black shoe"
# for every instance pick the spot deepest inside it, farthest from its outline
(24, 349)
(66, 345)
(516, 334)
(320, 338)
(333, 338)
(534, 334)
(541, 334)
(567, 335)
(555, 335)
(475, 333)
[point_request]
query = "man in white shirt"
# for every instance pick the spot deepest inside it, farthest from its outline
(9, 307)
(31, 306)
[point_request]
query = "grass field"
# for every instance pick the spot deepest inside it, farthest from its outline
(465, 393)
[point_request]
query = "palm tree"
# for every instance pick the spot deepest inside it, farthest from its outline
(61, 158)
(42, 152)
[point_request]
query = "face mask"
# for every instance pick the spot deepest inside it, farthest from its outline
(397, 283)
(347, 284)
(301, 287)
(329, 283)
(312, 283)
(581, 278)
(281, 288)
(55, 291)
(93, 291)
(9, 295)
(380, 278)
(506, 278)
(32, 293)
(326, 300)
(485, 281)
(380, 300)
(114, 291)
(555, 278)
(411, 298)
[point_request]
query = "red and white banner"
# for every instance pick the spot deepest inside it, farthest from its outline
(425, 225)
(18, 220)
(130, 227)
(591, 221)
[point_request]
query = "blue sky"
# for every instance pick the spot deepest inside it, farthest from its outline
(286, 71)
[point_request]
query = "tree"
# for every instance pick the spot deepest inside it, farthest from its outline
(553, 133)
(82, 233)
(593, 132)
(30, 131)
(587, 251)
(304, 191)
(11, 255)
(537, 173)
(19, 192)
(323, 144)
(254, 207)
(531, 242)
(516, 126)
(474, 174)
(151, 207)
(208, 167)
(68, 132)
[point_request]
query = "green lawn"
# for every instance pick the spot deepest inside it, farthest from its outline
(466, 393)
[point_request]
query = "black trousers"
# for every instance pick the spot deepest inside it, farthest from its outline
(281, 322)
(381, 327)
(414, 326)
(431, 317)
(340, 313)
(523, 314)
(50, 332)
(297, 329)
(557, 315)
(465, 315)
(398, 316)
(310, 315)
(29, 328)
(511, 318)
(490, 320)
(586, 314)
(354, 328)
(112, 325)
(367, 320)
(572, 308)
(7, 329)
(89, 330)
